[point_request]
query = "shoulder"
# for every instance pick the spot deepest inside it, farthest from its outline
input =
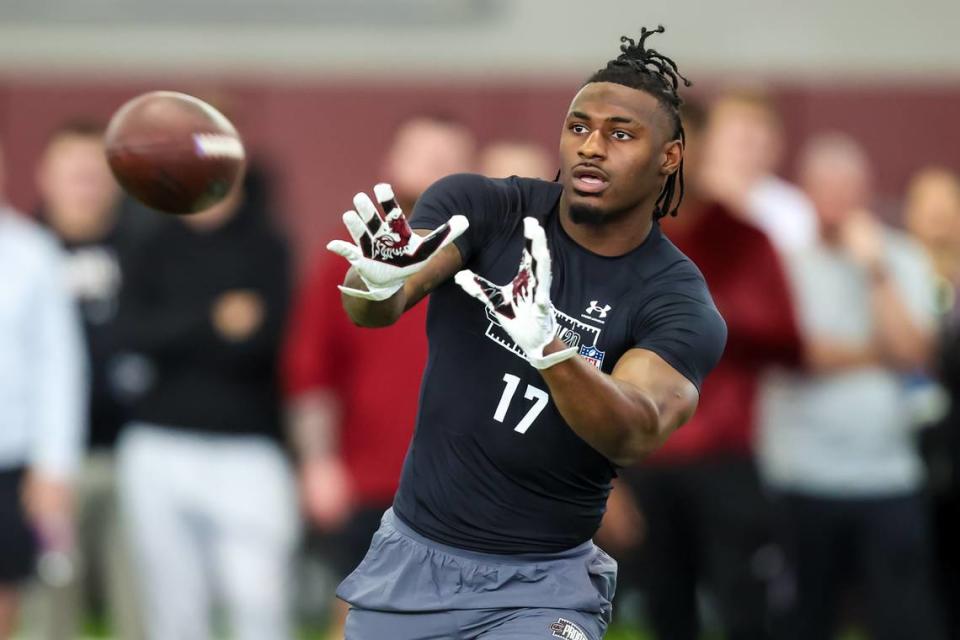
(670, 271)
(673, 285)
(29, 240)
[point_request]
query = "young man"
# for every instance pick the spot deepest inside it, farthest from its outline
(835, 440)
(203, 479)
(517, 438)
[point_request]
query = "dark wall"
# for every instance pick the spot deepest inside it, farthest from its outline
(324, 141)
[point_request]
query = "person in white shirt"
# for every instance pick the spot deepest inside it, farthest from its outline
(742, 152)
(42, 403)
(835, 441)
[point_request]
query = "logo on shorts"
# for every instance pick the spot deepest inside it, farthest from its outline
(567, 630)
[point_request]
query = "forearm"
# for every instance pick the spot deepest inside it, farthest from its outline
(616, 418)
(312, 418)
(904, 344)
(826, 356)
(371, 313)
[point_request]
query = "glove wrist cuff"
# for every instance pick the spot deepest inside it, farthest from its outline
(372, 293)
(545, 362)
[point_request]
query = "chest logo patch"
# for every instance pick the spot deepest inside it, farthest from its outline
(572, 332)
(567, 630)
(592, 355)
(595, 312)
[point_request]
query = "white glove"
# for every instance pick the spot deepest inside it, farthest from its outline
(523, 306)
(386, 251)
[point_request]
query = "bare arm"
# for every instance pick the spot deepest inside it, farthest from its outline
(325, 491)
(900, 341)
(905, 344)
(625, 415)
(383, 313)
(824, 355)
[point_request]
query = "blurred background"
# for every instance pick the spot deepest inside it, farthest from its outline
(318, 87)
(332, 97)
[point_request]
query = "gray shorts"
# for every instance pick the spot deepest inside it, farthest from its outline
(411, 588)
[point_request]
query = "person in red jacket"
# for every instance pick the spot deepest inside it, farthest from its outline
(351, 450)
(705, 521)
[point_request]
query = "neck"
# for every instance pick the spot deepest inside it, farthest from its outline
(610, 239)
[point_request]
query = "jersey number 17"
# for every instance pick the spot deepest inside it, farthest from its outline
(539, 397)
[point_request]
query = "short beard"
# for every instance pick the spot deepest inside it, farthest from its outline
(594, 216)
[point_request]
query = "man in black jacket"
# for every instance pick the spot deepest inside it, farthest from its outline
(204, 479)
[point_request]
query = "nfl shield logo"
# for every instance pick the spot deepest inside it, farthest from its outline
(592, 355)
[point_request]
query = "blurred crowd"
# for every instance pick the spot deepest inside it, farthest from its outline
(195, 441)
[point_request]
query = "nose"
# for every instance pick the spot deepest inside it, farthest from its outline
(593, 146)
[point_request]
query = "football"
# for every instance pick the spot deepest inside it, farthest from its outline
(174, 152)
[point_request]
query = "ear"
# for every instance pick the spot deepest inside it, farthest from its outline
(672, 155)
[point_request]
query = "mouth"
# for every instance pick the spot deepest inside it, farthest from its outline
(589, 180)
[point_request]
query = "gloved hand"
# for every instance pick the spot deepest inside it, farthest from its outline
(523, 306)
(386, 251)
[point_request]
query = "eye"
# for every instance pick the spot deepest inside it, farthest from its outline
(578, 128)
(621, 135)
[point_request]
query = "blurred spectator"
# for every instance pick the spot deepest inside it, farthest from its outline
(706, 520)
(425, 148)
(42, 408)
(742, 153)
(932, 214)
(351, 449)
(836, 440)
(203, 478)
(80, 206)
(516, 158)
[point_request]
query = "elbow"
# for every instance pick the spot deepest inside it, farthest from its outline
(370, 321)
(643, 434)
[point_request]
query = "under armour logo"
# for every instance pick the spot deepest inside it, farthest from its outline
(596, 308)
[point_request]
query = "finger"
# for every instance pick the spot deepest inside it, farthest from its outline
(355, 225)
(540, 259)
(368, 212)
(345, 249)
(468, 281)
(485, 291)
(458, 224)
(442, 235)
(474, 285)
(388, 202)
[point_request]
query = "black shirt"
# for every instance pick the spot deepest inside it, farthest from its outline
(493, 466)
(202, 381)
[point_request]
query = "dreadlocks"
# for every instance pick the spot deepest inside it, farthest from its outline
(647, 70)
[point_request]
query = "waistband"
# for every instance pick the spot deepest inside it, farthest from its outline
(392, 519)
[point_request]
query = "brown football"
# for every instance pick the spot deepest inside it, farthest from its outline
(173, 152)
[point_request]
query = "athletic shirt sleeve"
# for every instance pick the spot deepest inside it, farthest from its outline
(485, 203)
(685, 330)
